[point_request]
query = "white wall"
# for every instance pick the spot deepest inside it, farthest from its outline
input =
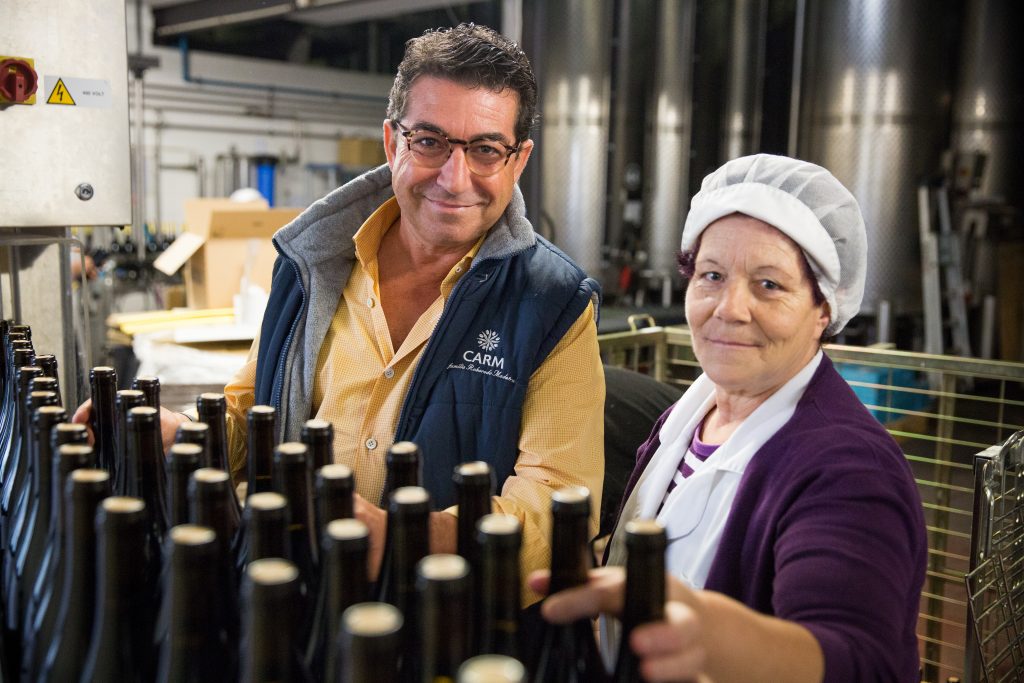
(253, 106)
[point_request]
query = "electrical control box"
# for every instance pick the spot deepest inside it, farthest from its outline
(64, 156)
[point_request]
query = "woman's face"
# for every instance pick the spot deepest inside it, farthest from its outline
(750, 307)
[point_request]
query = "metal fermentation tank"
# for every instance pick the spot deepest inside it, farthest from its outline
(874, 112)
(64, 160)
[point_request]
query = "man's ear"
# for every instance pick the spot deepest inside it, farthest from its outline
(520, 158)
(390, 140)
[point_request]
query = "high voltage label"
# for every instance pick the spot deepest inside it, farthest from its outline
(60, 95)
(78, 92)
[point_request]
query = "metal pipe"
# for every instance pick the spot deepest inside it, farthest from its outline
(796, 85)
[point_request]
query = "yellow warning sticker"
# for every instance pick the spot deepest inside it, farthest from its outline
(60, 94)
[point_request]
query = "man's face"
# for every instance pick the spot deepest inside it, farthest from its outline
(449, 208)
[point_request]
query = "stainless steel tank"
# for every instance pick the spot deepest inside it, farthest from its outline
(873, 113)
(742, 122)
(668, 171)
(989, 104)
(574, 106)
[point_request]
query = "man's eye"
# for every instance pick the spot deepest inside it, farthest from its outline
(485, 151)
(426, 143)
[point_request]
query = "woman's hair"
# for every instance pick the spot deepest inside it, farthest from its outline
(473, 56)
(687, 261)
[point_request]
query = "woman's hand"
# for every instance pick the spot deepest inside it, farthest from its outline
(669, 650)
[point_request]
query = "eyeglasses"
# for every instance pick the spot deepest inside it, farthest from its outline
(432, 149)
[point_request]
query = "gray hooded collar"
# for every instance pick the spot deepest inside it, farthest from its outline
(324, 231)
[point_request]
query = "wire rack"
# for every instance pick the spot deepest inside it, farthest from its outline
(995, 586)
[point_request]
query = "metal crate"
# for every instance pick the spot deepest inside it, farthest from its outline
(942, 410)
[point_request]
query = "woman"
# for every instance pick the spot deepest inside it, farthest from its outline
(796, 538)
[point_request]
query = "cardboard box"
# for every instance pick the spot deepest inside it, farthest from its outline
(361, 152)
(223, 242)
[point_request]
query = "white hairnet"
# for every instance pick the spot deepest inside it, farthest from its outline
(805, 202)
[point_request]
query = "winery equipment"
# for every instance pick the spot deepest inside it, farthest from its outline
(64, 136)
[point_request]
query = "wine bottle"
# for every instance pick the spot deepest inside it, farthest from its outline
(262, 432)
(474, 484)
(146, 472)
(370, 643)
(183, 459)
(70, 644)
(48, 363)
(443, 623)
(318, 435)
(33, 547)
(568, 652)
(492, 669)
(121, 649)
(409, 535)
(212, 410)
(124, 400)
(103, 383)
(14, 475)
(48, 591)
(192, 652)
(266, 527)
(292, 480)
(197, 433)
(270, 653)
(343, 582)
(212, 505)
(500, 538)
(645, 590)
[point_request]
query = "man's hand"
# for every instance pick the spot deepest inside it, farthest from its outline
(376, 520)
(169, 422)
(669, 650)
(443, 531)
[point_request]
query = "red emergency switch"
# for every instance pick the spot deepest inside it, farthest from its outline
(18, 81)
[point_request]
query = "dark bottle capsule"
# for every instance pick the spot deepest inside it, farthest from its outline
(266, 527)
(103, 383)
(318, 435)
(270, 652)
(335, 487)
(262, 431)
(70, 645)
(48, 362)
(182, 460)
(121, 648)
(403, 464)
(645, 590)
(370, 645)
(492, 669)
(196, 433)
(500, 538)
(344, 582)
(474, 484)
(192, 652)
(150, 388)
(568, 652)
(443, 627)
(292, 480)
(145, 469)
(212, 410)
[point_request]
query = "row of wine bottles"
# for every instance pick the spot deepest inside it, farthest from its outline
(124, 563)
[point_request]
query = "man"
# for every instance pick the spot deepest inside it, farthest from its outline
(416, 303)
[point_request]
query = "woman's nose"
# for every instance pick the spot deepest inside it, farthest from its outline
(734, 303)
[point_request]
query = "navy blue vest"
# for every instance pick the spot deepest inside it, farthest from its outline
(465, 401)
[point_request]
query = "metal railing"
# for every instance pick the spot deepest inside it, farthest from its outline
(942, 410)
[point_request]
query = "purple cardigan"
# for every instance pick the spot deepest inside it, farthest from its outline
(827, 530)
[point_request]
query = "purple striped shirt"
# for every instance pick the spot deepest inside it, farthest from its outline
(700, 450)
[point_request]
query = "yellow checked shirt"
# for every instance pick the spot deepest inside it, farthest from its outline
(361, 384)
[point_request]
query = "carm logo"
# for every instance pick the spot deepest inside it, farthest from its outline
(485, 359)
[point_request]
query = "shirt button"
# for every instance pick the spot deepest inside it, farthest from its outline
(389, 373)
(371, 444)
(458, 269)
(369, 302)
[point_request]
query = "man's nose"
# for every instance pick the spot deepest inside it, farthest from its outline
(455, 176)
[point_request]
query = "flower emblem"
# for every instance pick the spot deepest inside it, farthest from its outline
(488, 340)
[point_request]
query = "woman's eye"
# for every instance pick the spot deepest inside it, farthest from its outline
(711, 276)
(770, 285)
